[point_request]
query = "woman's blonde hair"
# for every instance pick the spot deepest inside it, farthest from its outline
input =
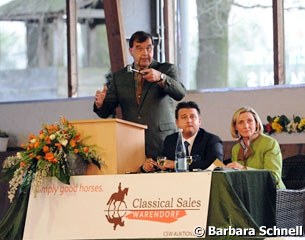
(259, 125)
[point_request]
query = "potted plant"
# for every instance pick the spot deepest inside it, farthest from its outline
(3, 141)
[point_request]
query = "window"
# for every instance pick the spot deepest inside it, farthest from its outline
(33, 49)
(250, 44)
(219, 44)
(230, 43)
(294, 41)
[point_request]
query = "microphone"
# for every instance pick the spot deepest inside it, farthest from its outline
(130, 69)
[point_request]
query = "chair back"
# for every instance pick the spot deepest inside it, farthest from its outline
(293, 172)
(290, 208)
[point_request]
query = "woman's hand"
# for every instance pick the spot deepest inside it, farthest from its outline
(235, 165)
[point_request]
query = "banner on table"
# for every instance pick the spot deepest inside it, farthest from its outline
(165, 205)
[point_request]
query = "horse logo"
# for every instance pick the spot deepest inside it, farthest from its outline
(118, 197)
(116, 218)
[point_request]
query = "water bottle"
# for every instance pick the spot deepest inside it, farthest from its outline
(180, 155)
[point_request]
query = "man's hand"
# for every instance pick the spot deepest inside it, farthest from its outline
(100, 96)
(149, 165)
(151, 75)
(168, 164)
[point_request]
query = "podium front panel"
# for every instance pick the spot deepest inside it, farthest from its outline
(120, 143)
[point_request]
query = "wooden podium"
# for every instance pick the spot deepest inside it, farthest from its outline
(120, 143)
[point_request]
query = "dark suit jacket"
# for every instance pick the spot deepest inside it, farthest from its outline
(156, 108)
(206, 148)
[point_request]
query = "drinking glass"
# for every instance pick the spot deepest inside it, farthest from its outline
(189, 160)
(161, 161)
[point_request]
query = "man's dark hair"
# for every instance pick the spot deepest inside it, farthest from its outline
(189, 104)
(139, 36)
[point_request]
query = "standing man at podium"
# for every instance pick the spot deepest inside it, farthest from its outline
(146, 92)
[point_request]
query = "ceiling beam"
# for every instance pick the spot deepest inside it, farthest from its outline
(278, 42)
(169, 31)
(72, 48)
(115, 34)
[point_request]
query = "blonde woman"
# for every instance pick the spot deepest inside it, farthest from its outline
(254, 149)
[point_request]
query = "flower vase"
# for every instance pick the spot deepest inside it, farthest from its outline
(76, 165)
(3, 144)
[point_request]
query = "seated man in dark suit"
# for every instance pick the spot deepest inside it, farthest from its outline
(204, 147)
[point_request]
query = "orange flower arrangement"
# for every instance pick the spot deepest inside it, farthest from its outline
(47, 155)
